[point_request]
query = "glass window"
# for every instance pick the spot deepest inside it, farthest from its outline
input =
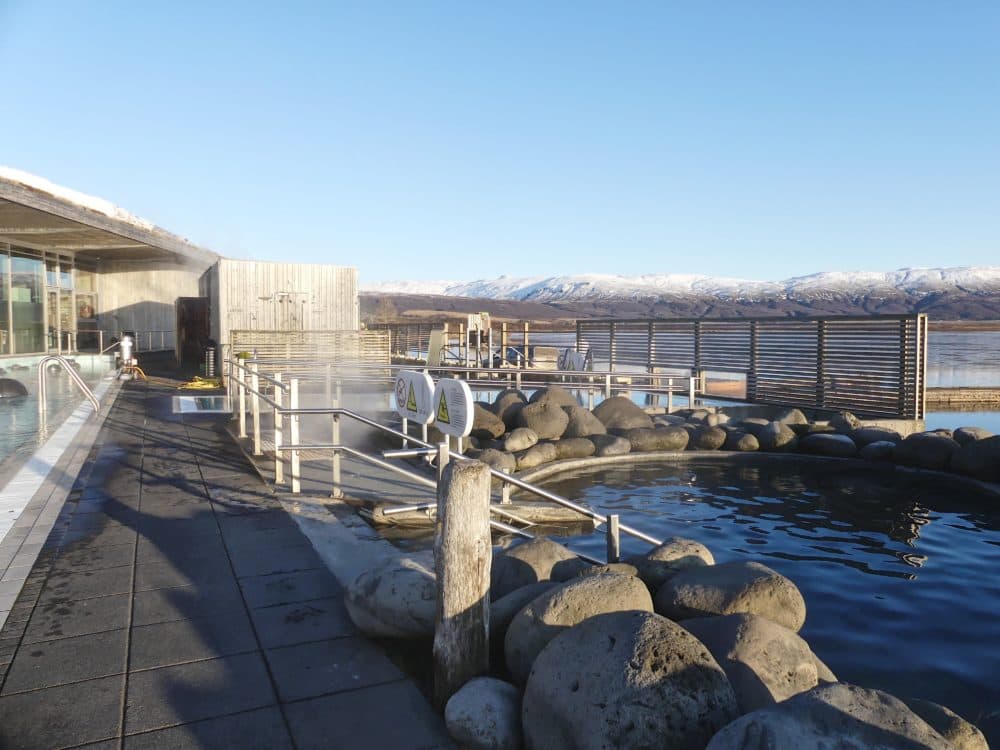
(27, 279)
(51, 271)
(86, 279)
(65, 273)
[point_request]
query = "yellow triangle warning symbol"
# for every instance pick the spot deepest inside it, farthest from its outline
(411, 400)
(442, 415)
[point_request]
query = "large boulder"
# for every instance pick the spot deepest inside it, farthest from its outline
(485, 424)
(880, 450)
(810, 428)
(729, 588)
(508, 405)
(554, 394)
(610, 445)
(396, 598)
(499, 460)
(670, 557)
(561, 608)
(832, 716)
(960, 733)
(520, 439)
(620, 413)
(742, 442)
(926, 450)
(964, 435)
(645, 439)
(625, 680)
(536, 455)
(829, 444)
(547, 420)
(753, 425)
(667, 420)
(10, 388)
(539, 559)
(790, 415)
(776, 436)
(865, 435)
(625, 569)
(844, 421)
(707, 438)
(485, 714)
(765, 662)
(574, 448)
(502, 611)
(979, 459)
(582, 423)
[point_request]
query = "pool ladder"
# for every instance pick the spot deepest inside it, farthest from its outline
(74, 376)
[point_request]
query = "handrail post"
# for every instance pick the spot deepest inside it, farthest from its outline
(691, 387)
(613, 539)
(328, 392)
(279, 399)
(294, 402)
(337, 490)
(255, 406)
(243, 406)
(442, 459)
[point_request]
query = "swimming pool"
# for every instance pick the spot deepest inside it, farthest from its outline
(899, 572)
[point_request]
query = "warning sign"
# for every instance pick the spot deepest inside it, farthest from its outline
(415, 396)
(453, 407)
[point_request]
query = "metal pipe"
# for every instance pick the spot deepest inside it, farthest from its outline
(296, 479)
(279, 468)
(255, 409)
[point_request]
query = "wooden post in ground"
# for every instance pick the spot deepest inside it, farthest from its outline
(462, 556)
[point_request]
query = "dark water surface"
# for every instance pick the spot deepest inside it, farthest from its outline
(901, 575)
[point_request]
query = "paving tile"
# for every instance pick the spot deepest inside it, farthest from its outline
(262, 729)
(52, 663)
(309, 670)
(315, 620)
(62, 716)
(253, 562)
(286, 588)
(187, 640)
(63, 586)
(180, 573)
(256, 522)
(394, 715)
(101, 538)
(16, 573)
(52, 619)
(264, 539)
(77, 560)
(164, 528)
(168, 548)
(198, 690)
(186, 602)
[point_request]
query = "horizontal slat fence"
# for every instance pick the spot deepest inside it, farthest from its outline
(301, 351)
(874, 365)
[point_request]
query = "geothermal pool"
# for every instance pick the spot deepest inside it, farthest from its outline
(899, 573)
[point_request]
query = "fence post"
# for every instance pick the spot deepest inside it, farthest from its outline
(255, 406)
(243, 405)
(294, 403)
(279, 399)
(614, 539)
(462, 557)
(337, 491)
(329, 384)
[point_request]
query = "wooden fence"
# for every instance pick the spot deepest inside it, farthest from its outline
(875, 366)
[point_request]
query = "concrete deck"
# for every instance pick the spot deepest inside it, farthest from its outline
(176, 604)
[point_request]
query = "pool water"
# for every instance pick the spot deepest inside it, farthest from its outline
(899, 573)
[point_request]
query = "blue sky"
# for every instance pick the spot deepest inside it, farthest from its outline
(465, 140)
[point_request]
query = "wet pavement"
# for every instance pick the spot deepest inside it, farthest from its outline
(175, 604)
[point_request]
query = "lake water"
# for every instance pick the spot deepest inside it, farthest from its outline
(899, 574)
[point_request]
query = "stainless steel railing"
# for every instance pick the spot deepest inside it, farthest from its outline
(73, 375)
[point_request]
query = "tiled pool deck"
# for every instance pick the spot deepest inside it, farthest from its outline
(175, 604)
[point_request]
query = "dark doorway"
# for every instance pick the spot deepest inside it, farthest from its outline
(192, 330)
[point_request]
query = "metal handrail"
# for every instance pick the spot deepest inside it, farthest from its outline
(73, 375)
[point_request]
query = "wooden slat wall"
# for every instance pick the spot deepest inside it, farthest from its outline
(140, 296)
(309, 351)
(875, 365)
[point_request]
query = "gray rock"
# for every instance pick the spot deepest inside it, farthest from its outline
(548, 420)
(485, 714)
(561, 608)
(965, 435)
(960, 733)
(582, 423)
(740, 441)
(625, 680)
(643, 439)
(844, 421)
(620, 413)
(698, 416)
(865, 435)
(979, 459)
(878, 451)
(790, 416)
(828, 444)
(926, 450)
(667, 420)
(670, 557)
(823, 672)
(502, 611)
(499, 460)
(520, 439)
(707, 438)
(753, 425)
(810, 429)
(574, 448)
(610, 445)
(729, 588)
(622, 568)
(765, 662)
(536, 455)
(508, 405)
(554, 394)
(775, 436)
(10, 388)
(538, 559)
(832, 716)
(395, 599)
(715, 420)
(485, 424)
